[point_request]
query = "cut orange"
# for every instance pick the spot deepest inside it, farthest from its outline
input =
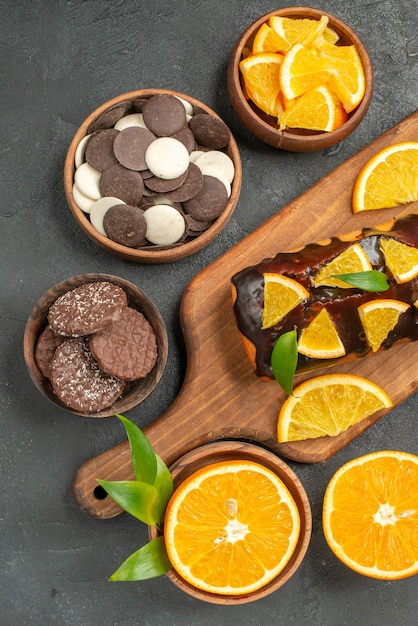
(320, 340)
(370, 514)
(317, 109)
(379, 317)
(339, 66)
(260, 73)
(401, 259)
(301, 31)
(328, 405)
(301, 71)
(354, 259)
(347, 76)
(231, 527)
(267, 40)
(281, 295)
(388, 179)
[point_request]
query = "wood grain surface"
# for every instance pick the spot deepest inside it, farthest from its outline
(221, 397)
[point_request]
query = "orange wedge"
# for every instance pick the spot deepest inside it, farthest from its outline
(400, 258)
(370, 514)
(379, 317)
(339, 66)
(301, 31)
(317, 109)
(281, 295)
(231, 527)
(328, 405)
(267, 40)
(320, 340)
(388, 179)
(260, 73)
(354, 259)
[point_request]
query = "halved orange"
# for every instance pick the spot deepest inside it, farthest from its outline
(370, 514)
(400, 258)
(388, 179)
(328, 405)
(281, 295)
(260, 73)
(379, 317)
(320, 340)
(353, 259)
(317, 109)
(231, 527)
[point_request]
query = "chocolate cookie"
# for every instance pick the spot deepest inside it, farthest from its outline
(125, 224)
(87, 309)
(77, 380)
(122, 183)
(99, 150)
(130, 146)
(46, 345)
(128, 348)
(209, 202)
(209, 131)
(164, 115)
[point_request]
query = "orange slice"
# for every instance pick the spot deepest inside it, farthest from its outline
(379, 317)
(281, 295)
(328, 405)
(260, 73)
(401, 259)
(301, 31)
(354, 259)
(370, 514)
(388, 179)
(320, 340)
(231, 527)
(317, 109)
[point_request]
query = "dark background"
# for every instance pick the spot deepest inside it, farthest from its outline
(60, 59)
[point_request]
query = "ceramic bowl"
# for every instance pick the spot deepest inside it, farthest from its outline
(149, 254)
(135, 392)
(221, 451)
(264, 126)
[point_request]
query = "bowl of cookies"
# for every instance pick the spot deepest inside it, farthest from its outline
(95, 345)
(300, 79)
(152, 175)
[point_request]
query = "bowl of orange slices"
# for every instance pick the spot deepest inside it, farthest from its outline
(300, 79)
(238, 524)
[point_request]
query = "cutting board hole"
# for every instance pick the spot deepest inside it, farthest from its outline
(99, 493)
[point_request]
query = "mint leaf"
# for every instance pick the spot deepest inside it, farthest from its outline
(164, 485)
(143, 456)
(371, 280)
(137, 498)
(284, 358)
(148, 562)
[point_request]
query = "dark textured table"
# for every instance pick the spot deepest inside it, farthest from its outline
(60, 59)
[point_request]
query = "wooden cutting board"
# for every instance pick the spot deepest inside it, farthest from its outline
(221, 397)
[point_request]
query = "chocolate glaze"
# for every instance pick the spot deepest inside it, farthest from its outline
(341, 304)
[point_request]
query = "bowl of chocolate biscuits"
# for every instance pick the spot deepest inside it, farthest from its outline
(153, 175)
(95, 345)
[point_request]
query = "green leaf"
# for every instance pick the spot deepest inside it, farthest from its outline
(143, 456)
(284, 358)
(372, 280)
(137, 498)
(148, 562)
(164, 485)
